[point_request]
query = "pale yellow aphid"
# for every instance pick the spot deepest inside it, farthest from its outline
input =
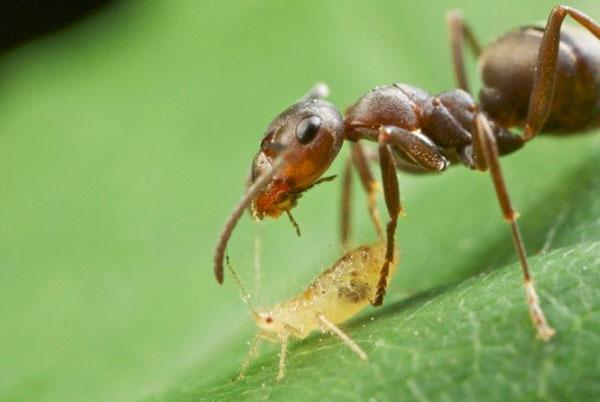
(335, 296)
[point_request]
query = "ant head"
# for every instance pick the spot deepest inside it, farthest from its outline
(311, 132)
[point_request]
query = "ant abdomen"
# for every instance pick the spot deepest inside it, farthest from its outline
(507, 70)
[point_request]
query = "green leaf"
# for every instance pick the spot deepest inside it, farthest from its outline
(124, 143)
(456, 343)
(461, 341)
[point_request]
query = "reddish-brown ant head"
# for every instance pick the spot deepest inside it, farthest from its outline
(311, 133)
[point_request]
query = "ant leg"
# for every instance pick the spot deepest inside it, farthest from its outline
(459, 34)
(391, 194)
(282, 353)
(370, 185)
(545, 71)
(486, 144)
(426, 155)
(418, 147)
(346, 203)
(334, 329)
(252, 354)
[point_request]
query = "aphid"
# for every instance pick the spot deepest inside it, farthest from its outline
(541, 79)
(335, 296)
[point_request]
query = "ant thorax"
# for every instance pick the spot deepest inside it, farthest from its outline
(339, 293)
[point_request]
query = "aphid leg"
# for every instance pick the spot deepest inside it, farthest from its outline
(345, 224)
(542, 91)
(251, 355)
(460, 33)
(284, 342)
(237, 212)
(370, 185)
(392, 201)
(485, 141)
(334, 329)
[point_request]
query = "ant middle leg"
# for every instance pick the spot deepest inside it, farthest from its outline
(460, 33)
(487, 154)
(542, 91)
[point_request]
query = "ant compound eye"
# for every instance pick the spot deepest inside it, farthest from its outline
(268, 320)
(307, 129)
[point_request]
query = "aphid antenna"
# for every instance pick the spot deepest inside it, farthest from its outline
(243, 292)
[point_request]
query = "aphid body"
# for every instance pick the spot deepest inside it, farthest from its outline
(335, 296)
(339, 293)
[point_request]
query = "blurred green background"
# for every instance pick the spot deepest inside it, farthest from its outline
(125, 141)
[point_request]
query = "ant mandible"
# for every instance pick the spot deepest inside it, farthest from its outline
(541, 79)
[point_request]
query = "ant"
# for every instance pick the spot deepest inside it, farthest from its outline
(335, 296)
(540, 79)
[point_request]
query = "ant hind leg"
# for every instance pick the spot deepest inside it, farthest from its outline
(485, 143)
(545, 71)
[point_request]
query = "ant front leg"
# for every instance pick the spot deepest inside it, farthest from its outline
(345, 212)
(370, 186)
(391, 192)
(545, 71)
(425, 155)
(487, 155)
(459, 34)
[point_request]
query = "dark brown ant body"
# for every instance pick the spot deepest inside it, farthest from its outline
(539, 79)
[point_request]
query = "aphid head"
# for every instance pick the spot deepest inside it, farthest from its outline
(312, 131)
(266, 322)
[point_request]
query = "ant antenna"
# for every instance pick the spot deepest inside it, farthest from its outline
(319, 91)
(294, 223)
(237, 212)
(243, 292)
